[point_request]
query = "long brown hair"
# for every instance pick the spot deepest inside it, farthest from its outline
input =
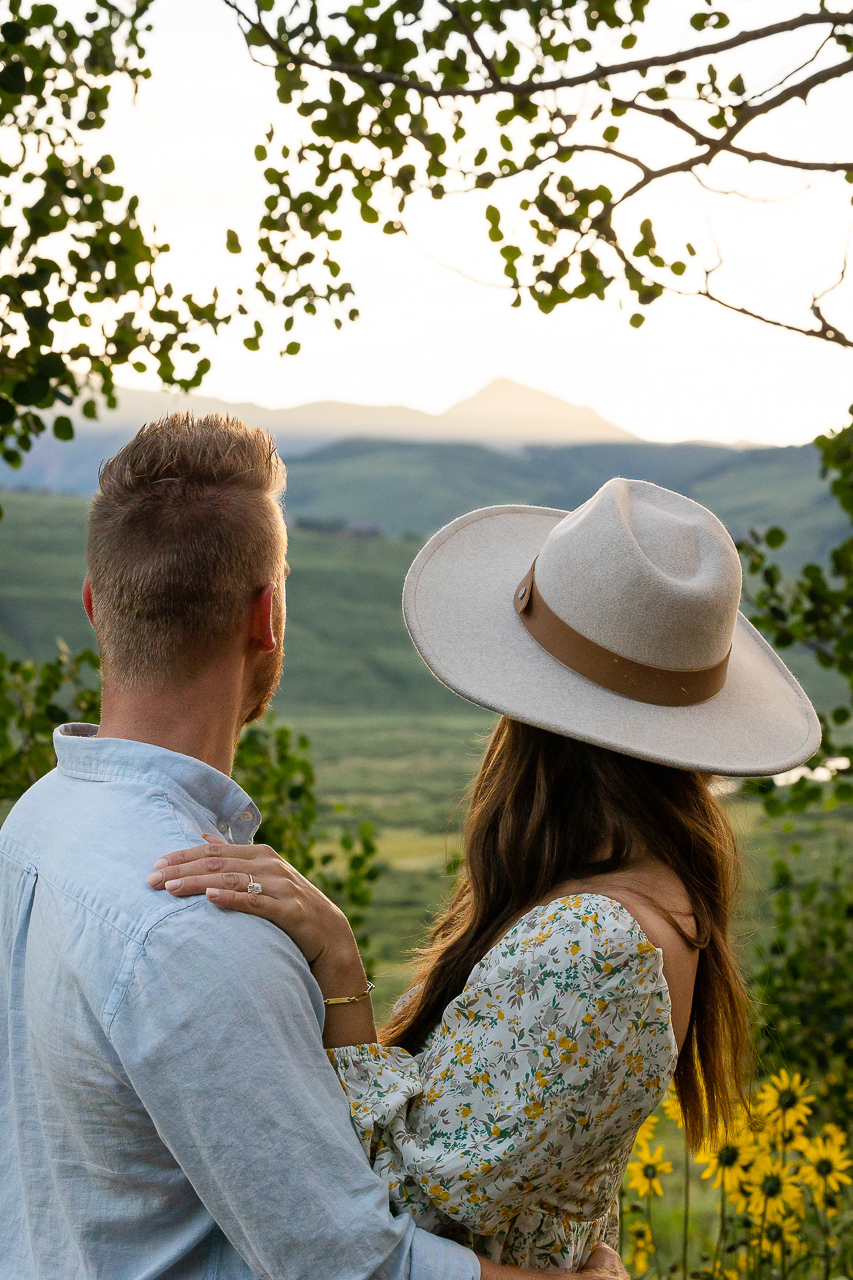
(543, 809)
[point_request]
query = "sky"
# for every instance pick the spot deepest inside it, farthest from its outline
(428, 336)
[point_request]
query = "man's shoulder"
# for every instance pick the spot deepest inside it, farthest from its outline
(92, 844)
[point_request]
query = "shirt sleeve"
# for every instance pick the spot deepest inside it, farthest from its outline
(218, 1028)
(530, 1089)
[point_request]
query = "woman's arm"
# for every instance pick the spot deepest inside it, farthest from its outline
(320, 930)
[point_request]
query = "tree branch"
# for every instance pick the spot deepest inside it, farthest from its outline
(714, 145)
(826, 332)
(521, 89)
(463, 22)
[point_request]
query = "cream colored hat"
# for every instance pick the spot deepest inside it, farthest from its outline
(617, 624)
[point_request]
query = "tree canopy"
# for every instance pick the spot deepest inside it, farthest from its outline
(572, 114)
(78, 297)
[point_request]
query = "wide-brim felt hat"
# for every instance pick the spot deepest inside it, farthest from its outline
(617, 624)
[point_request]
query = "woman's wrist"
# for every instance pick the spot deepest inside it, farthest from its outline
(339, 972)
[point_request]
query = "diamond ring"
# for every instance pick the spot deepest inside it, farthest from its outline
(254, 887)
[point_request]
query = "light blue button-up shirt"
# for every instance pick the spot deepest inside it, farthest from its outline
(166, 1105)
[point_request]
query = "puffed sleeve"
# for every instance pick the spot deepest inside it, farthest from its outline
(535, 1081)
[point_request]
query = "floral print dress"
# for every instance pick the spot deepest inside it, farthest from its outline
(511, 1129)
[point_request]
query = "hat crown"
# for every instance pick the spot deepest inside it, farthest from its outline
(645, 573)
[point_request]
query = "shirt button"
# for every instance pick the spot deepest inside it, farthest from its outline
(246, 815)
(222, 826)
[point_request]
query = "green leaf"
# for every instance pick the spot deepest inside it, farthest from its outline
(775, 537)
(637, 320)
(13, 78)
(13, 32)
(63, 428)
(232, 242)
(493, 218)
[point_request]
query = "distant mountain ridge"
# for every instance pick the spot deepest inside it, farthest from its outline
(501, 413)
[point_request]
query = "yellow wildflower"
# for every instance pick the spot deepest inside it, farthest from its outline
(779, 1238)
(672, 1108)
(827, 1164)
(729, 1162)
(647, 1170)
(640, 1245)
(783, 1103)
(776, 1192)
(646, 1132)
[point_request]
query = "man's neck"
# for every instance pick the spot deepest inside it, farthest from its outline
(201, 717)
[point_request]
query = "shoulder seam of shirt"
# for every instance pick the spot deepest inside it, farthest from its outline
(7, 844)
(125, 975)
(139, 939)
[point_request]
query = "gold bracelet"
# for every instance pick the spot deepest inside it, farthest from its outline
(351, 999)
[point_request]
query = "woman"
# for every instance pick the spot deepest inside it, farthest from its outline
(584, 961)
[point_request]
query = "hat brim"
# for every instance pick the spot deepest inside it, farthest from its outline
(458, 605)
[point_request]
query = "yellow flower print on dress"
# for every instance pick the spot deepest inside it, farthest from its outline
(490, 1133)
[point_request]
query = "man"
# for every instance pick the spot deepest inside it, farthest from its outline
(167, 1109)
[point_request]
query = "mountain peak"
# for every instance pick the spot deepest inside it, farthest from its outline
(505, 410)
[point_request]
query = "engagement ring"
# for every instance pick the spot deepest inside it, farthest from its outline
(254, 887)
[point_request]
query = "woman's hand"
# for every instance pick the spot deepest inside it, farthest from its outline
(320, 930)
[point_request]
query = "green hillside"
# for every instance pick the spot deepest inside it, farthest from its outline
(347, 649)
(346, 646)
(413, 487)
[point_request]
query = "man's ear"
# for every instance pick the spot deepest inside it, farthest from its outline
(261, 627)
(87, 600)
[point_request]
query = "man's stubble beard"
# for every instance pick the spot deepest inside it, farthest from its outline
(267, 674)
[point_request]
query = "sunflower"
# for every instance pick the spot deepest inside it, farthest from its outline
(646, 1132)
(672, 1107)
(640, 1245)
(779, 1238)
(783, 1103)
(647, 1170)
(827, 1162)
(775, 1193)
(730, 1163)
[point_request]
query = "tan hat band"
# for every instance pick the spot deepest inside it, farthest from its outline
(660, 685)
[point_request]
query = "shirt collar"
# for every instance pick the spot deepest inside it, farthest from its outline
(80, 754)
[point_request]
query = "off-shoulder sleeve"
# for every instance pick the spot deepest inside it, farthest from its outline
(537, 1078)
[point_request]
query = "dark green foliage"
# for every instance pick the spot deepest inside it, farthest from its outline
(281, 783)
(804, 988)
(814, 612)
(78, 297)
(806, 982)
(34, 699)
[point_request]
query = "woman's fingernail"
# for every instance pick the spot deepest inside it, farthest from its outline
(156, 878)
(213, 893)
(171, 885)
(162, 862)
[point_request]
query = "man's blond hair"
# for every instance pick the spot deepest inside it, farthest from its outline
(185, 527)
